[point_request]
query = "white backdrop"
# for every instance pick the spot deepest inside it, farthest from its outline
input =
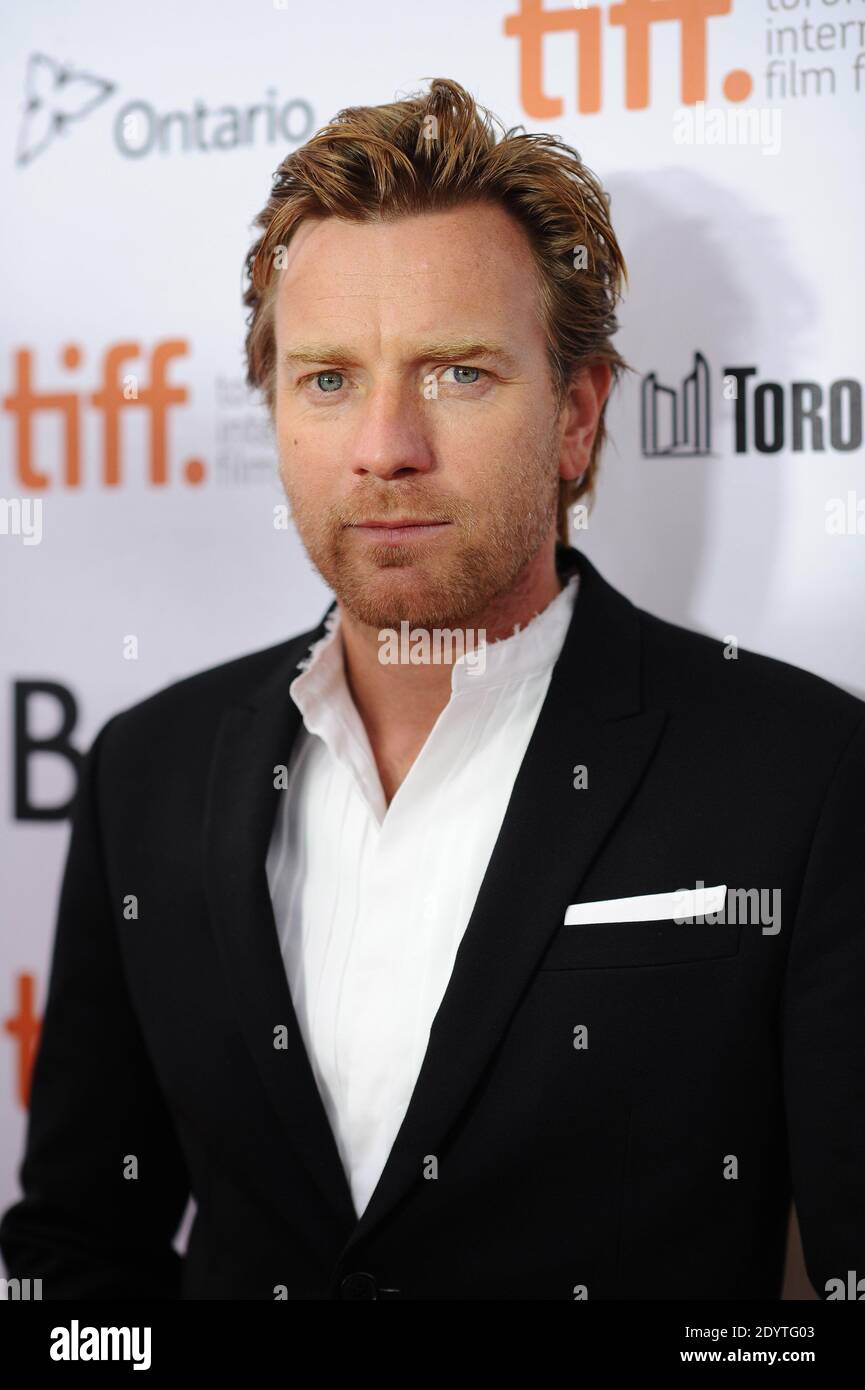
(131, 166)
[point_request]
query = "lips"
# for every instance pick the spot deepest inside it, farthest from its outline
(397, 522)
(400, 530)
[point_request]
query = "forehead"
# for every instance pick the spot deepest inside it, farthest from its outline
(468, 267)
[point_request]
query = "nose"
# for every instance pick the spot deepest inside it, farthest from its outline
(389, 436)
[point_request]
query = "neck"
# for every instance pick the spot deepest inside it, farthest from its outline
(400, 703)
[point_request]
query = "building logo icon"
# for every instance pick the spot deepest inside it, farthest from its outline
(676, 422)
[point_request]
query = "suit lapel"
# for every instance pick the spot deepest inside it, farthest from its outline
(550, 835)
(254, 738)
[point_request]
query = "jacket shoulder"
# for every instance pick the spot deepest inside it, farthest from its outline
(194, 705)
(683, 668)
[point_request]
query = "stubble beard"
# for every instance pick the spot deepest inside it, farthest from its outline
(450, 580)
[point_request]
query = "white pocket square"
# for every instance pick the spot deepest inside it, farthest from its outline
(649, 907)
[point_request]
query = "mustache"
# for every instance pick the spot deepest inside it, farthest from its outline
(412, 506)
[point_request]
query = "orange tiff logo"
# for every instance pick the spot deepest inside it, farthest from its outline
(149, 391)
(532, 23)
(24, 1027)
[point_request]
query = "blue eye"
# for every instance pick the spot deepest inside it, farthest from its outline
(476, 370)
(328, 376)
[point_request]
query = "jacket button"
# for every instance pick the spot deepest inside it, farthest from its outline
(358, 1286)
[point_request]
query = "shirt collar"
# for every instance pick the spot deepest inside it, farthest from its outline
(528, 651)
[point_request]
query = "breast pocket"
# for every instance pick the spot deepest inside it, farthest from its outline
(623, 945)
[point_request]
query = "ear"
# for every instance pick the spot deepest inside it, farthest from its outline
(581, 410)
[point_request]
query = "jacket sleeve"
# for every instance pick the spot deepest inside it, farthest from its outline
(82, 1225)
(824, 1034)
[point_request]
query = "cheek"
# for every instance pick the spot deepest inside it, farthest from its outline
(306, 480)
(287, 440)
(479, 443)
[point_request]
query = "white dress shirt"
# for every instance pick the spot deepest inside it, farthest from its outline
(370, 900)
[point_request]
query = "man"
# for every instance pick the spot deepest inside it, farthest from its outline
(532, 973)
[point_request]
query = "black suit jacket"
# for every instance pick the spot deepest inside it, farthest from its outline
(606, 1168)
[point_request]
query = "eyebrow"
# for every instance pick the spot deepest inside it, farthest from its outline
(454, 350)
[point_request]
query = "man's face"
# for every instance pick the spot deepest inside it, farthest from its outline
(388, 407)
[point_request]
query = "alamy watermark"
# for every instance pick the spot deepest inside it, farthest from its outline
(437, 646)
(748, 905)
(77, 1343)
(20, 1290)
(851, 1288)
(22, 516)
(756, 126)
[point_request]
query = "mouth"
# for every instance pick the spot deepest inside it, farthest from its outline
(400, 529)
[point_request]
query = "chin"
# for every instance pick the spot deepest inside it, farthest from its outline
(393, 595)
